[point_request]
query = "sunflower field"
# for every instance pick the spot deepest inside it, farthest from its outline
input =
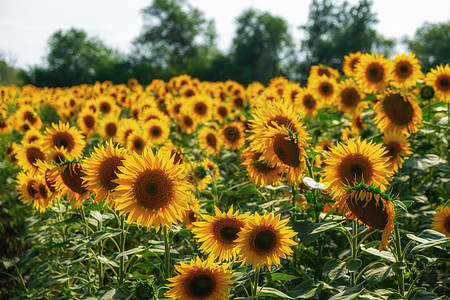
(192, 189)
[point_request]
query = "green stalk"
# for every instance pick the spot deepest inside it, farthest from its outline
(354, 250)
(399, 258)
(255, 284)
(167, 265)
(123, 237)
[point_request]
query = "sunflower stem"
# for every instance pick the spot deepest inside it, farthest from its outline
(167, 269)
(255, 284)
(123, 237)
(294, 192)
(399, 258)
(354, 249)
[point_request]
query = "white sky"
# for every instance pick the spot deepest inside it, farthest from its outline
(26, 25)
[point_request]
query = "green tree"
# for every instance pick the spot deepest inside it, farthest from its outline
(8, 74)
(333, 30)
(176, 39)
(431, 44)
(259, 46)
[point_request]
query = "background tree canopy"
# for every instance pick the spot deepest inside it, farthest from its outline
(177, 39)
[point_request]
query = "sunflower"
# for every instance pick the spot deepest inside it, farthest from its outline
(153, 113)
(397, 111)
(101, 170)
(188, 91)
(175, 153)
(136, 142)
(349, 97)
(357, 161)
(5, 126)
(212, 167)
(348, 133)
(156, 131)
(174, 107)
(108, 106)
(398, 146)
(284, 149)
(209, 140)
(126, 128)
(264, 240)
(43, 199)
(28, 156)
(218, 234)
(357, 122)
(109, 127)
(350, 62)
(324, 88)
(439, 79)
(32, 136)
(368, 205)
(191, 214)
(26, 187)
(151, 189)
(68, 179)
(198, 175)
(64, 136)
(200, 280)
(373, 72)
(26, 117)
(307, 103)
(87, 121)
(405, 70)
(291, 91)
(222, 112)
(322, 70)
(441, 220)
(187, 123)
(259, 172)
(57, 156)
(233, 135)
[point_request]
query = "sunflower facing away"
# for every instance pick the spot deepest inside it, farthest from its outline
(63, 135)
(218, 234)
(373, 72)
(259, 171)
(439, 79)
(265, 240)
(101, 169)
(441, 221)
(357, 161)
(396, 111)
(151, 190)
(199, 279)
(369, 206)
(398, 146)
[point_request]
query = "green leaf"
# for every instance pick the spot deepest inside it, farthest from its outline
(335, 269)
(131, 251)
(273, 292)
(58, 279)
(398, 266)
(304, 229)
(440, 242)
(348, 294)
(324, 226)
(383, 254)
(307, 289)
(107, 261)
(378, 272)
(247, 190)
(353, 265)
(424, 162)
(401, 205)
(281, 276)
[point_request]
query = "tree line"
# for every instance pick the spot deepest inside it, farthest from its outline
(176, 38)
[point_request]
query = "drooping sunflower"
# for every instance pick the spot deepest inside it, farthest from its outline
(373, 73)
(218, 234)
(439, 79)
(357, 161)
(441, 220)
(308, 105)
(209, 140)
(199, 279)
(350, 62)
(405, 70)
(156, 131)
(63, 135)
(259, 172)
(109, 128)
(101, 170)
(368, 205)
(264, 240)
(28, 156)
(397, 111)
(233, 135)
(398, 146)
(87, 121)
(349, 97)
(151, 189)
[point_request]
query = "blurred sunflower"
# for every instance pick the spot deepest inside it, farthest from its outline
(174, 107)
(212, 167)
(222, 111)
(373, 73)
(200, 280)
(32, 136)
(192, 212)
(217, 234)
(233, 135)
(26, 117)
(108, 106)
(348, 133)
(125, 128)
(349, 97)
(350, 62)
(174, 153)
(441, 221)
(259, 172)
(187, 123)
(109, 128)
(439, 80)
(405, 70)
(357, 122)
(43, 199)
(198, 175)
(87, 121)
(5, 126)
(324, 88)
(398, 146)
(64, 136)
(322, 70)
(26, 187)
(397, 111)
(156, 131)
(209, 140)
(151, 190)
(291, 91)
(264, 240)
(101, 170)
(368, 205)
(357, 161)
(308, 105)
(200, 108)
(136, 142)
(28, 156)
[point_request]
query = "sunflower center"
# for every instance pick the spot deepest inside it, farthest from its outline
(353, 63)
(427, 92)
(238, 102)
(138, 144)
(398, 109)
(43, 192)
(111, 129)
(59, 158)
(127, 133)
(355, 167)
(223, 111)
(293, 95)
(3, 124)
(32, 138)
(326, 89)
(153, 189)
(105, 107)
(447, 223)
(192, 217)
(264, 241)
(30, 189)
(229, 234)
(444, 83)
(189, 93)
(155, 131)
(403, 70)
(89, 121)
(30, 117)
(64, 139)
(282, 121)
(200, 108)
(324, 72)
(71, 177)
(188, 121)
(34, 154)
(287, 151)
(368, 210)
(375, 72)
(350, 97)
(309, 102)
(199, 172)
(201, 286)
(177, 157)
(393, 149)
(226, 229)
(232, 134)
(177, 108)
(107, 171)
(211, 140)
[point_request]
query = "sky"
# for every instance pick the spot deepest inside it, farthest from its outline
(26, 25)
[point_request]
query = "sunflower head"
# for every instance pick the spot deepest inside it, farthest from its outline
(439, 79)
(405, 70)
(144, 290)
(426, 92)
(441, 220)
(373, 73)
